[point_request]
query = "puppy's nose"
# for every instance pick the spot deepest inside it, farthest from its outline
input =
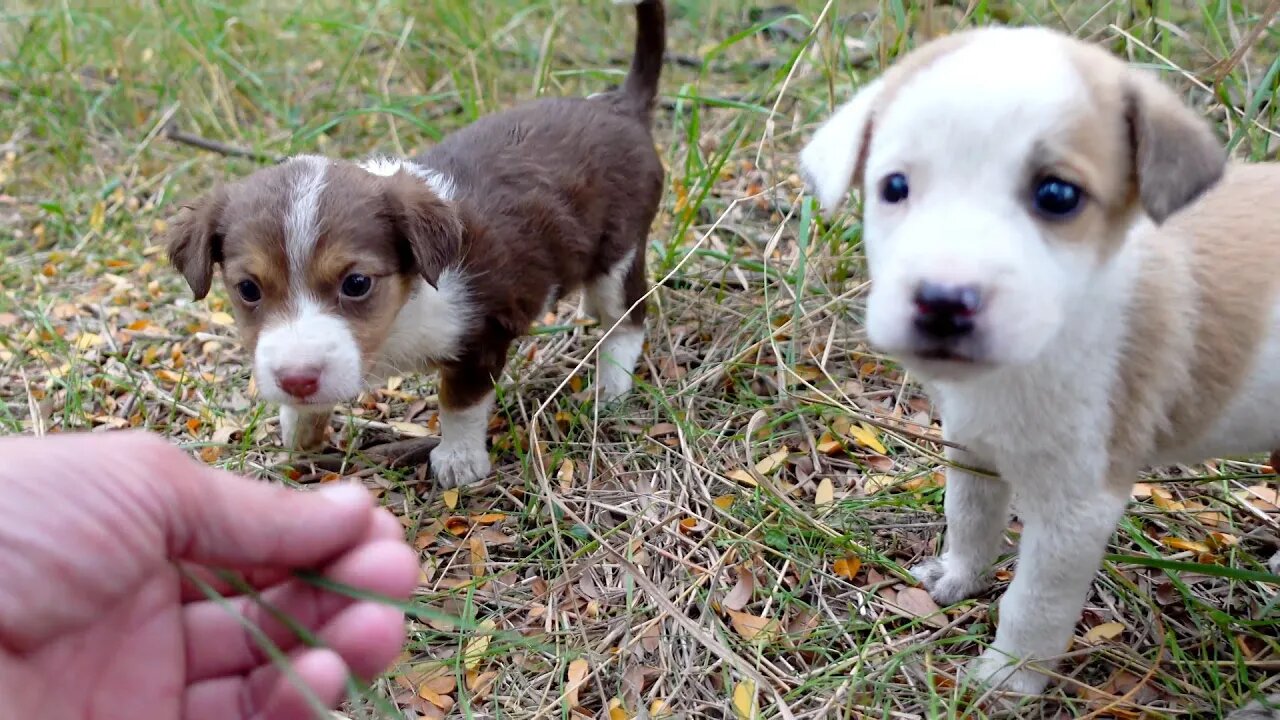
(946, 311)
(299, 383)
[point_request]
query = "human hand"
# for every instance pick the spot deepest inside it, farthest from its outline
(97, 619)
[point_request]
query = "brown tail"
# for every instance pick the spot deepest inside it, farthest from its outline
(641, 86)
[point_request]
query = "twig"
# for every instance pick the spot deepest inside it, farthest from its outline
(172, 132)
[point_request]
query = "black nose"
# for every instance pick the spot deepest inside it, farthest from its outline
(945, 312)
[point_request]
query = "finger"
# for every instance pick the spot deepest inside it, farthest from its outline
(320, 672)
(217, 518)
(384, 526)
(218, 643)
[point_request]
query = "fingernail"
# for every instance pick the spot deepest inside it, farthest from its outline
(347, 493)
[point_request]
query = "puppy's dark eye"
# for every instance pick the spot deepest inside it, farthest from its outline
(893, 189)
(1056, 198)
(356, 285)
(249, 291)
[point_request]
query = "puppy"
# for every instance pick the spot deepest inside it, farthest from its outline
(1059, 250)
(341, 272)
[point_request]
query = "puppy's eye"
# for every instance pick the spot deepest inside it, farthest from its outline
(249, 291)
(356, 285)
(893, 189)
(1056, 198)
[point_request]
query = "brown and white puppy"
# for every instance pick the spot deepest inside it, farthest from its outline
(341, 272)
(1060, 251)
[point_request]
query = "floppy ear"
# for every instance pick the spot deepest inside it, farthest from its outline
(1176, 156)
(195, 241)
(428, 231)
(834, 158)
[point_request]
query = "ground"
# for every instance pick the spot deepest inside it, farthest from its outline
(733, 536)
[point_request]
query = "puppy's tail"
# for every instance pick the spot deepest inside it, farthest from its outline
(641, 86)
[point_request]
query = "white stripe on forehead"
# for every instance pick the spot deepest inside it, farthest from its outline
(383, 166)
(302, 221)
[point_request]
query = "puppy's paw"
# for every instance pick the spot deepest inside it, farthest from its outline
(946, 582)
(304, 430)
(1274, 563)
(455, 464)
(1266, 709)
(997, 670)
(614, 383)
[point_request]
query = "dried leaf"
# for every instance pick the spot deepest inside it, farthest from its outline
(872, 484)
(221, 318)
(616, 711)
(753, 628)
(409, 429)
(865, 436)
(771, 463)
(478, 645)
(1266, 499)
(663, 430)
(1163, 499)
(848, 567)
(742, 591)
(1105, 631)
(826, 494)
(479, 556)
(566, 475)
(651, 636)
(1140, 491)
(457, 525)
(743, 477)
(916, 602)
(98, 216)
(744, 700)
(576, 676)
(1178, 543)
(1219, 540)
(488, 518)
(724, 502)
(829, 444)
(450, 498)
(444, 702)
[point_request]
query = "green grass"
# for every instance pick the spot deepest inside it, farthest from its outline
(755, 344)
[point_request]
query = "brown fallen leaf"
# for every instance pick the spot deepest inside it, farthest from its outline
(566, 475)
(848, 567)
(745, 704)
(742, 591)
(916, 602)
(753, 628)
(457, 525)
(575, 677)
(724, 502)
(1178, 543)
(826, 494)
(450, 498)
(771, 463)
(651, 637)
(478, 645)
(1105, 631)
(663, 430)
(743, 477)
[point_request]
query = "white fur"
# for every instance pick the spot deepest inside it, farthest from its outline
(1036, 408)
(304, 427)
(430, 327)
(308, 340)
(462, 458)
(606, 299)
(300, 223)
(441, 184)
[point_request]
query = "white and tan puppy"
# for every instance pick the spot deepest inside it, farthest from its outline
(1060, 251)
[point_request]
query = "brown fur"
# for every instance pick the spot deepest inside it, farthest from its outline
(548, 196)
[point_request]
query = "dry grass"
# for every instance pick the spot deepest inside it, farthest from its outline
(630, 561)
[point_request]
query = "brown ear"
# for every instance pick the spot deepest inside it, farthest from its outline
(1176, 155)
(428, 230)
(195, 241)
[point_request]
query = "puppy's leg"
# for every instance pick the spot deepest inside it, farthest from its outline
(466, 399)
(608, 298)
(1067, 523)
(1264, 709)
(977, 511)
(305, 428)
(1274, 563)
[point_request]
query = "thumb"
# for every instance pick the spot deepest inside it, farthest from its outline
(217, 518)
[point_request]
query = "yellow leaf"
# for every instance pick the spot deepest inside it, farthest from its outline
(771, 463)
(1190, 545)
(829, 444)
(456, 525)
(744, 700)
(1140, 490)
(450, 498)
(873, 484)
(443, 702)
(743, 477)
(409, 429)
(866, 437)
(1163, 499)
(724, 502)
(478, 645)
(577, 674)
(616, 711)
(566, 474)
(1219, 540)
(88, 340)
(1105, 631)
(847, 567)
(98, 216)
(221, 318)
(826, 493)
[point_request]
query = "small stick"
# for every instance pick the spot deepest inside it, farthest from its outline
(173, 133)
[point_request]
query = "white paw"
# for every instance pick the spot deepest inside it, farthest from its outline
(304, 430)
(948, 584)
(1274, 563)
(997, 670)
(614, 383)
(454, 464)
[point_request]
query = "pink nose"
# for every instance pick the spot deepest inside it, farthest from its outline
(299, 383)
